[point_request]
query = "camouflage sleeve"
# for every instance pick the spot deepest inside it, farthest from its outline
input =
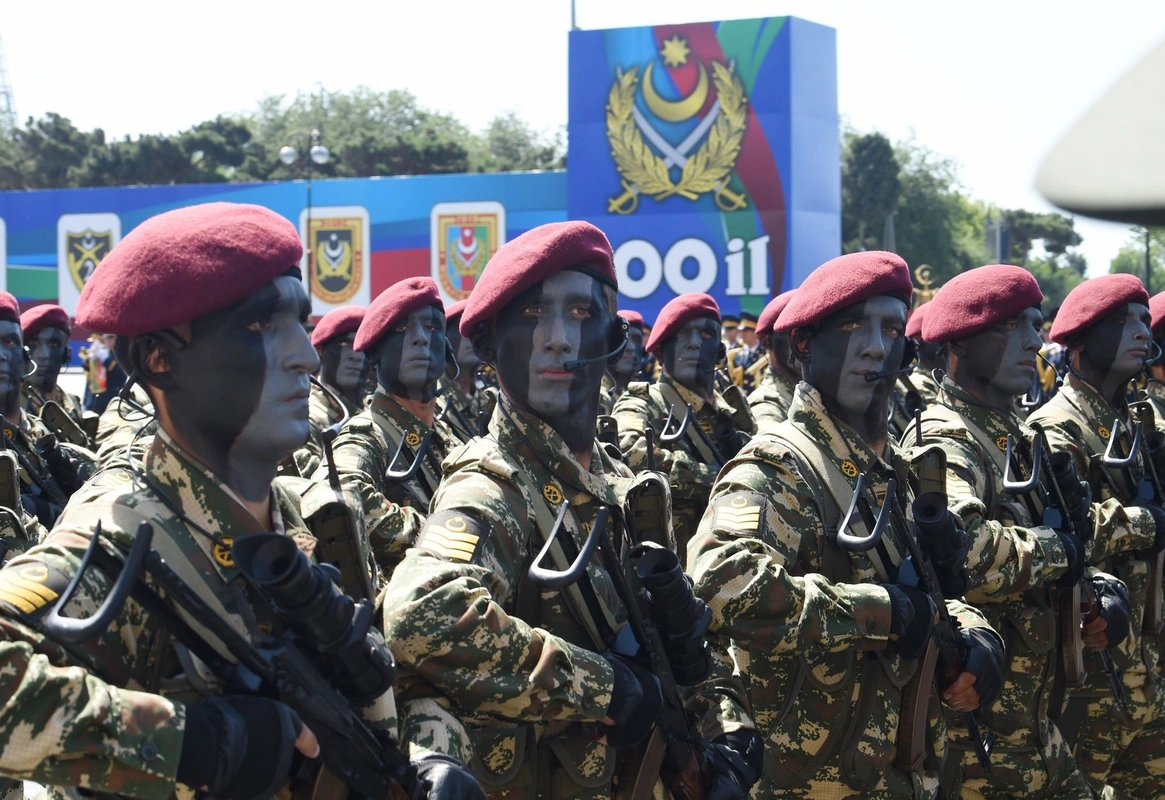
(739, 561)
(721, 702)
(969, 617)
(1119, 528)
(391, 528)
(444, 614)
(1003, 560)
(688, 477)
(61, 725)
(428, 725)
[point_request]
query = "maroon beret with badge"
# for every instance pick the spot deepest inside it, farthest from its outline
(768, 317)
(914, 321)
(974, 300)
(1157, 309)
(337, 322)
(393, 305)
(634, 318)
(676, 314)
(1094, 300)
(453, 311)
(9, 308)
(532, 258)
(181, 265)
(846, 281)
(46, 315)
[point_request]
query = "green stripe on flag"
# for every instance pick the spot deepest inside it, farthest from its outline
(33, 284)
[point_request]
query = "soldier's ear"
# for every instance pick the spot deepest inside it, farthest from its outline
(956, 348)
(151, 357)
(800, 341)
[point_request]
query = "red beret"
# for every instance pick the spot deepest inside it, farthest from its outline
(9, 308)
(846, 281)
(337, 322)
(392, 305)
(974, 300)
(914, 321)
(533, 257)
(677, 312)
(768, 317)
(46, 315)
(1093, 300)
(455, 310)
(181, 265)
(1157, 309)
(634, 318)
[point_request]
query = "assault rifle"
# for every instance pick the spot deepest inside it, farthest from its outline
(329, 658)
(1151, 622)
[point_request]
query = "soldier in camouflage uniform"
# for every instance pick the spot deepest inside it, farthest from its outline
(922, 378)
(686, 338)
(338, 394)
(403, 336)
(1105, 325)
(526, 666)
(770, 401)
(619, 376)
(988, 322)
(831, 642)
(46, 333)
(468, 403)
(218, 339)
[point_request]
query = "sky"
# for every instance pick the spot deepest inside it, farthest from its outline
(992, 84)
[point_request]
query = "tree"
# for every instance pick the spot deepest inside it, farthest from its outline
(870, 189)
(510, 144)
(46, 153)
(1023, 227)
(1131, 257)
(1056, 279)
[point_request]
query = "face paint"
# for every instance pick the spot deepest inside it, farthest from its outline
(631, 361)
(343, 367)
(1116, 346)
(690, 356)
(1000, 362)
(778, 347)
(50, 347)
(864, 338)
(12, 365)
(240, 387)
(928, 356)
(467, 360)
(564, 318)
(411, 357)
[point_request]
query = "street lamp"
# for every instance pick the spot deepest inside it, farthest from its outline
(317, 154)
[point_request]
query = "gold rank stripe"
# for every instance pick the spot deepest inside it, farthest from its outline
(457, 546)
(747, 518)
(24, 594)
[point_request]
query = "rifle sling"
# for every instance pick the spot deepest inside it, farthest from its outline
(672, 397)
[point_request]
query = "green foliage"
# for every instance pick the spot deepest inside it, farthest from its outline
(1056, 279)
(1131, 257)
(1023, 227)
(367, 132)
(870, 189)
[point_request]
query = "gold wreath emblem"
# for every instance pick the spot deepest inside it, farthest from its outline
(1103, 432)
(1001, 443)
(412, 439)
(849, 469)
(552, 493)
(222, 552)
(707, 170)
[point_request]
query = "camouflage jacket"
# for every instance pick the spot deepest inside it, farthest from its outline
(36, 399)
(1013, 560)
(364, 450)
(322, 413)
(519, 664)
(1078, 420)
(812, 618)
(464, 412)
(690, 472)
(38, 488)
(119, 426)
(770, 401)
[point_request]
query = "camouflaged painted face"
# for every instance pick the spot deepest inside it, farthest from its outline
(11, 359)
(343, 367)
(1118, 344)
(631, 361)
(564, 318)
(239, 393)
(859, 340)
(467, 360)
(999, 363)
(690, 356)
(411, 357)
(50, 349)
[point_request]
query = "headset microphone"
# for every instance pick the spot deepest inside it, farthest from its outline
(877, 376)
(571, 366)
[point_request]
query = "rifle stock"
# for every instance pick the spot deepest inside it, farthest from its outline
(912, 737)
(1151, 621)
(1068, 620)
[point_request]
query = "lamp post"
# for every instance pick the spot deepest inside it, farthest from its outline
(317, 155)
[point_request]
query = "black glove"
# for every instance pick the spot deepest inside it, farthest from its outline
(985, 662)
(442, 777)
(1159, 518)
(1076, 564)
(948, 555)
(635, 702)
(911, 619)
(1113, 598)
(239, 747)
(1077, 493)
(727, 438)
(736, 760)
(64, 469)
